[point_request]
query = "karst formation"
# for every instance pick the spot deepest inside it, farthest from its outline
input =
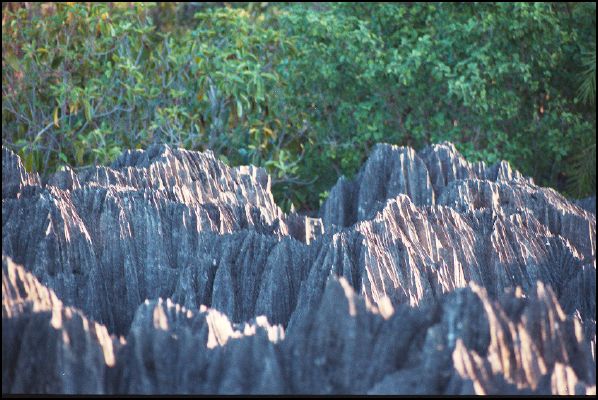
(169, 272)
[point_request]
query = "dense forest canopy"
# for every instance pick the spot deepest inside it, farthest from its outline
(304, 90)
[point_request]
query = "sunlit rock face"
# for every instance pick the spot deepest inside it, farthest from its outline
(170, 273)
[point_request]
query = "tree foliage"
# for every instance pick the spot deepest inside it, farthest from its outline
(304, 90)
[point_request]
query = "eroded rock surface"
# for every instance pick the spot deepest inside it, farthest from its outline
(169, 272)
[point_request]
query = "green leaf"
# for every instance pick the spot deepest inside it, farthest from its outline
(239, 108)
(55, 117)
(87, 109)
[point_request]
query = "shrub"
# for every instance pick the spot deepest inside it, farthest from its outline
(303, 90)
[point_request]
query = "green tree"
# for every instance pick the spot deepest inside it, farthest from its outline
(304, 90)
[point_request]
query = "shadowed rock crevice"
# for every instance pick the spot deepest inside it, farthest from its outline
(425, 274)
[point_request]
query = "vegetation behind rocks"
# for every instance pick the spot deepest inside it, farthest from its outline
(304, 90)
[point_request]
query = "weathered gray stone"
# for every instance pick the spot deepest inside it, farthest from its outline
(426, 274)
(588, 204)
(170, 349)
(14, 175)
(120, 236)
(47, 347)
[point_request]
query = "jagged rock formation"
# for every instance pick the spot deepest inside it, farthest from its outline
(588, 204)
(46, 346)
(425, 274)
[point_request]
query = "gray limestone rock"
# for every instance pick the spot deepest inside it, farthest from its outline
(425, 275)
(588, 204)
(48, 348)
